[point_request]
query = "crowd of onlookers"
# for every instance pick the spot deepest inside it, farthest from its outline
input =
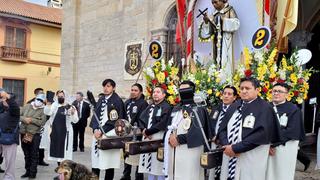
(31, 124)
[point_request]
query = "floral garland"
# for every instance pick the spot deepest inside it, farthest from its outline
(209, 36)
(210, 80)
(164, 74)
(263, 66)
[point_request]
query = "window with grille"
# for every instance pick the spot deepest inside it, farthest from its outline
(16, 87)
(15, 37)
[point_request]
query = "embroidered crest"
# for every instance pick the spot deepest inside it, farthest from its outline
(249, 121)
(186, 120)
(113, 115)
(215, 115)
(159, 112)
(134, 109)
(284, 120)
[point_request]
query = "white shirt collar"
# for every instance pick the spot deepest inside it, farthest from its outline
(278, 103)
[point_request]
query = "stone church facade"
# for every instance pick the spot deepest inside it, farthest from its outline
(95, 33)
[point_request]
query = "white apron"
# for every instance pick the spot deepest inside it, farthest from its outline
(105, 159)
(251, 165)
(187, 160)
(156, 166)
(283, 164)
(133, 160)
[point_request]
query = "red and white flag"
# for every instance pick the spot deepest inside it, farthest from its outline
(180, 32)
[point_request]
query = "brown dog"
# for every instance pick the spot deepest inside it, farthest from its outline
(70, 170)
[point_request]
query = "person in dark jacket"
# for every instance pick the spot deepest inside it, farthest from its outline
(153, 120)
(109, 108)
(246, 131)
(84, 110)
(229, 96)
(9, 122)
(134, 106)
(282, 159)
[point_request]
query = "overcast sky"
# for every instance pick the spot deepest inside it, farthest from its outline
(41, 2)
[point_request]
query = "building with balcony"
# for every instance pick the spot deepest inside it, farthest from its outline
(30, 45)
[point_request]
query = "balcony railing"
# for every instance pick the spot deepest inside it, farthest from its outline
(15, 54)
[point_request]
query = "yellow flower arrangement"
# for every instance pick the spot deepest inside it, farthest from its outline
(271, 59)
(260, 65)
(298, 78)
(293, 78)
(268, 72)
(165, 75)
(247, 58)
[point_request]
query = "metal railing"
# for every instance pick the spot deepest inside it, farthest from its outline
(14, 53)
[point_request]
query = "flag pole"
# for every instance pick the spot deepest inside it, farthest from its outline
(144, 64)
(263, 12)
(283, 24)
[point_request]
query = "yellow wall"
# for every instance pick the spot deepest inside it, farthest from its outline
(45, 43)
(45, 46)
(35, 75)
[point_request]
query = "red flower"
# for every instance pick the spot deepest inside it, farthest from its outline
(300, 80)
(248, 72)
(154, 81)
(296, 93)
(280, 81)
(164, 86)
(265, 89)
(272, 80)
(268, 46)
(177, 100)
(166, 74)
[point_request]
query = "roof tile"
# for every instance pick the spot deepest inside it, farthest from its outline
(30, 10)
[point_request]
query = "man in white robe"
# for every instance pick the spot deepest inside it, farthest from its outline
(246, 132)
(184, 141)
(282, 159)
(221, 25)
(61, 117)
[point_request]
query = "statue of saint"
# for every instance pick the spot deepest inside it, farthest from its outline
(220, 27)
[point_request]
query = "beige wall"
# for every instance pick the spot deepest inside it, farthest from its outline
(94, 37)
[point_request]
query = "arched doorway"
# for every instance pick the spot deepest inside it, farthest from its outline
(173, 49)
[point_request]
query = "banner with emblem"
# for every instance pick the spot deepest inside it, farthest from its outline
(133, 60)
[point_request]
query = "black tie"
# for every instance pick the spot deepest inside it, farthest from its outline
(78, 109)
